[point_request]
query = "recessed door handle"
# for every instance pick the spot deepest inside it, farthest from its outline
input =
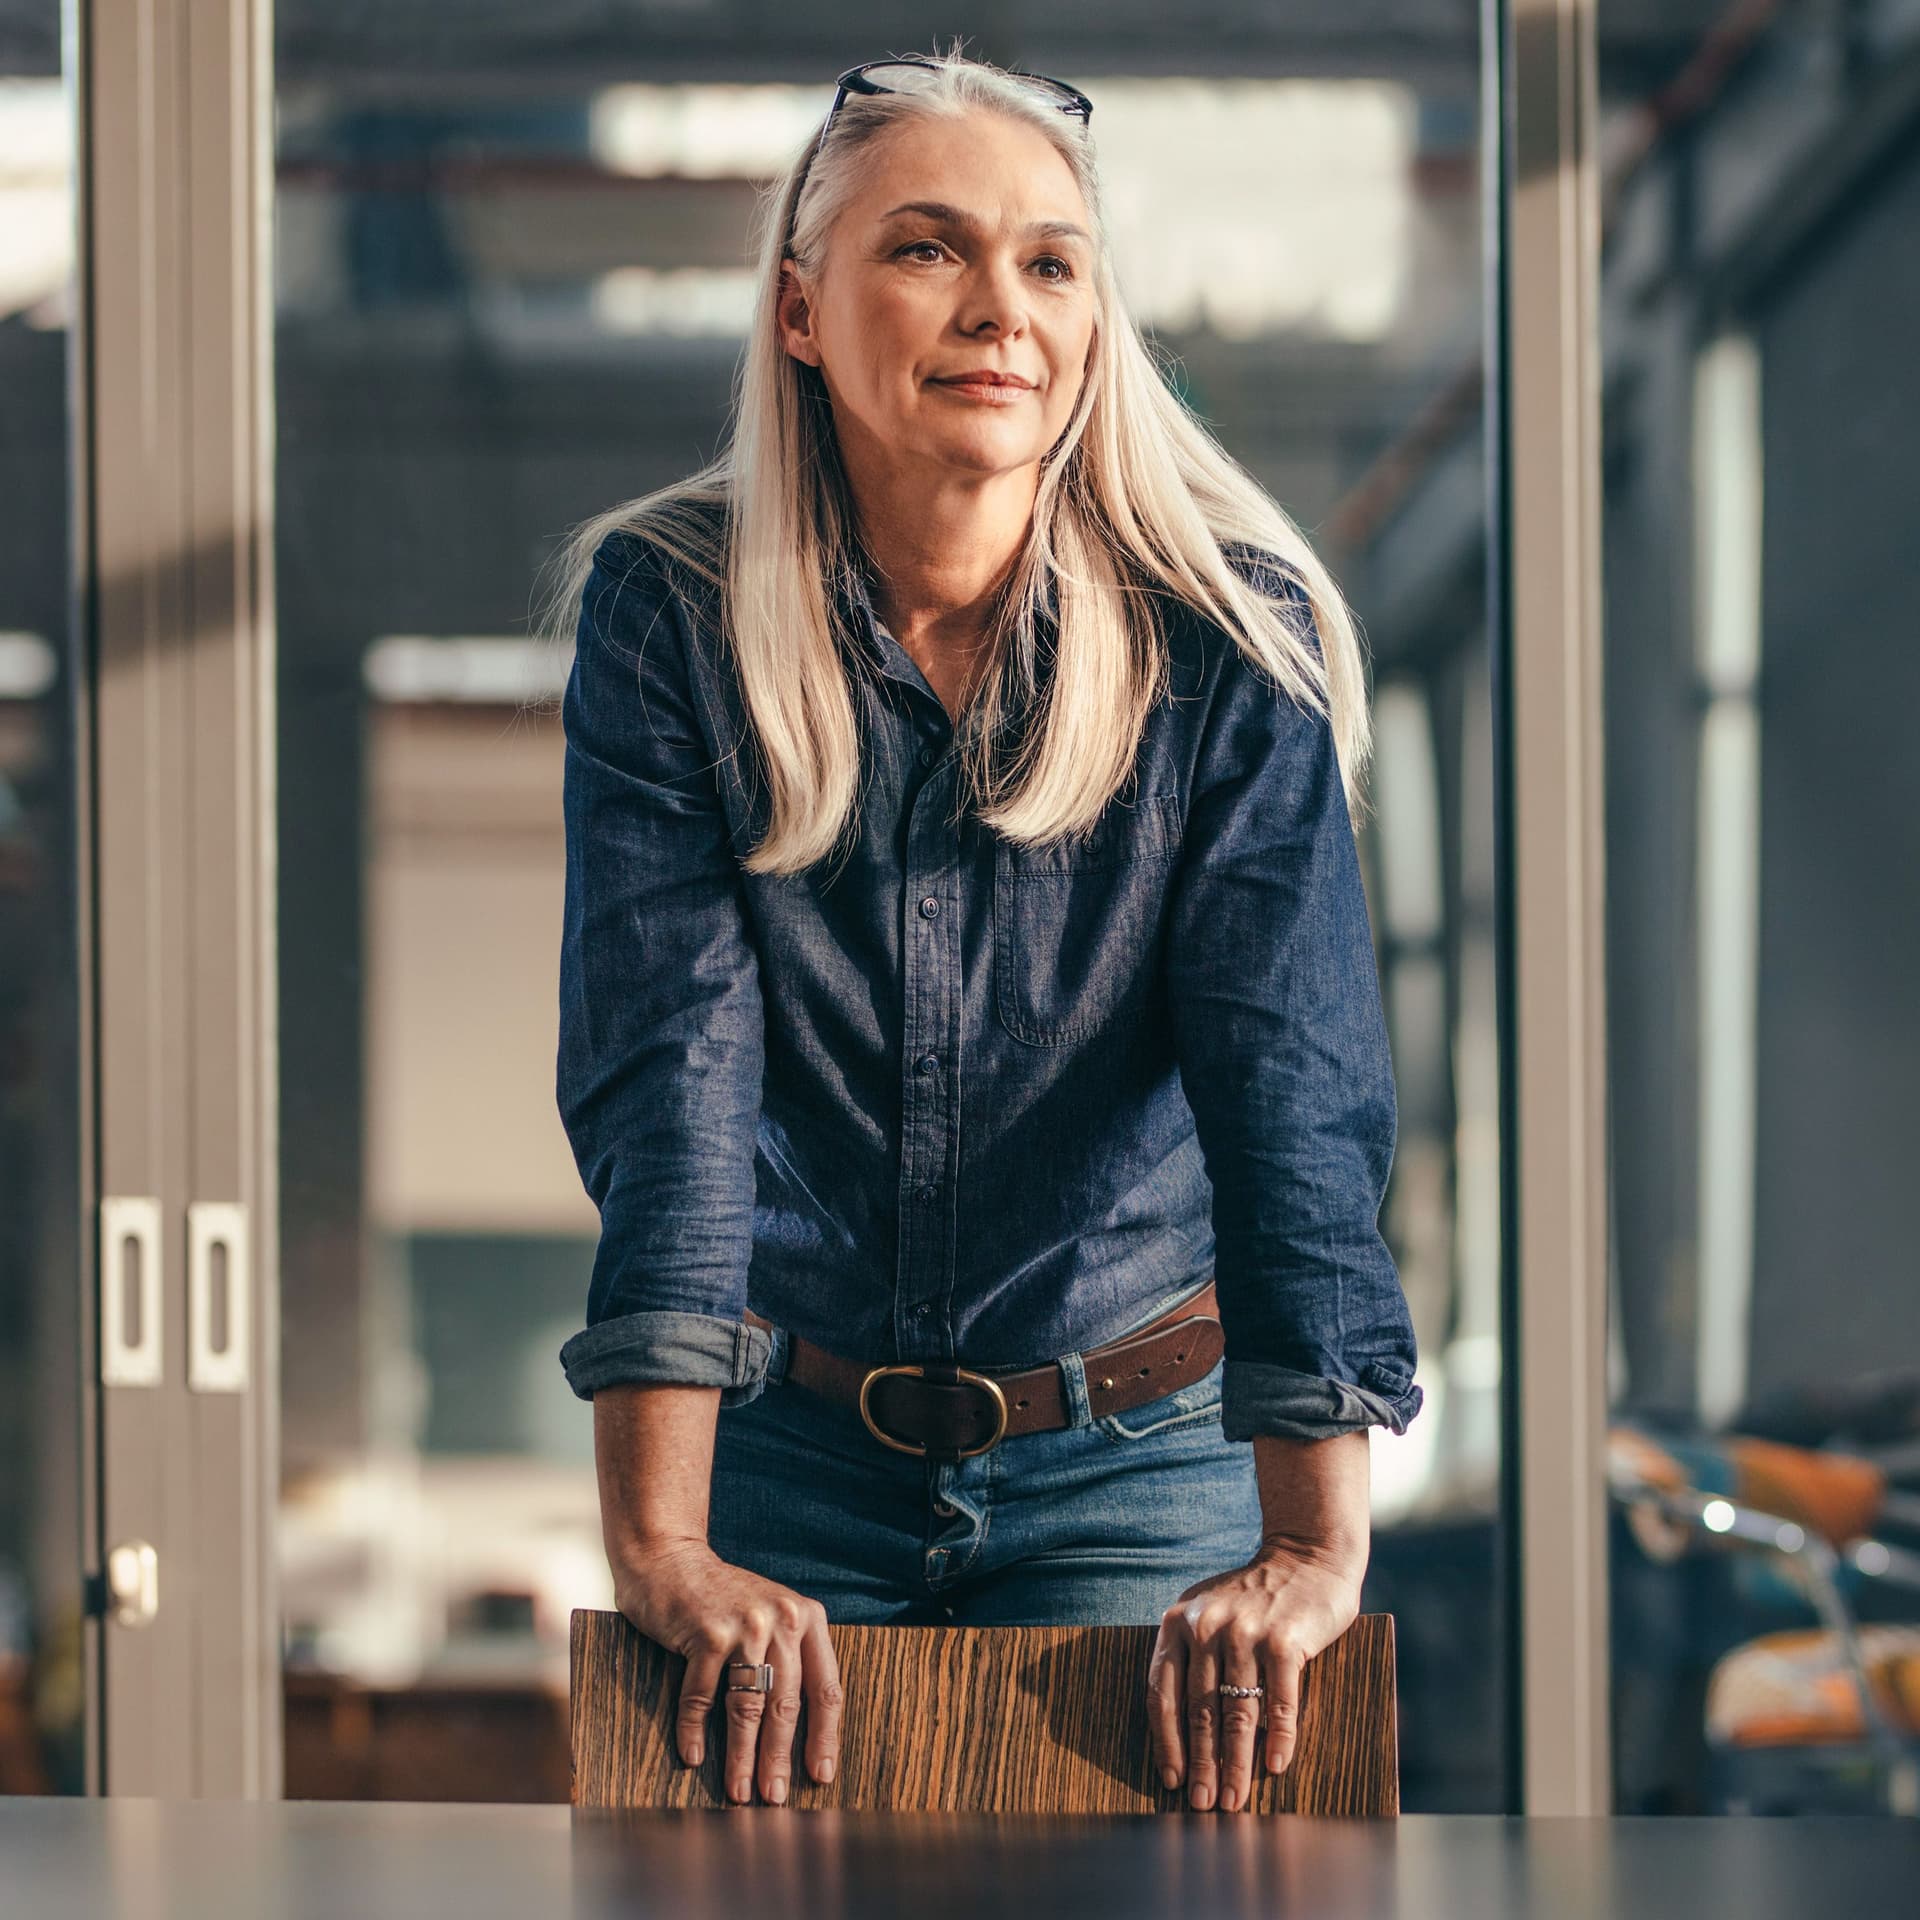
(129, 1292)
(219, 1286)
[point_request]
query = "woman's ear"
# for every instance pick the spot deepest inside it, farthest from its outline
(795, 317)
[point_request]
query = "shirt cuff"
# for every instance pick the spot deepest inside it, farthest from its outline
(667, 1347)
(1258, 1397)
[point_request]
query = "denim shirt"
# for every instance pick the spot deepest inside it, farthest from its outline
(952, 1099)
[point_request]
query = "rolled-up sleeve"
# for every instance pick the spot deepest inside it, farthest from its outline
(1282, 1045)
(662, 1034)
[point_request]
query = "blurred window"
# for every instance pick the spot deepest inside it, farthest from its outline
(1761, 298)
(42, 1695)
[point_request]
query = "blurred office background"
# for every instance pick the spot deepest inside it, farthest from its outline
(510, 284)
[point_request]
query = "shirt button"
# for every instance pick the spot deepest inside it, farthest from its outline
(926, 756)
(929, 908)
(929, 1192)
(927, 1062)
(921, 1311)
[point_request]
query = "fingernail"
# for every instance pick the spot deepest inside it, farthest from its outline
(695, 1754)
(742, 1790)
(1228, 1801)
(1203, 1796)
(1170, 1776)
(826, 1770)
(777, 1793)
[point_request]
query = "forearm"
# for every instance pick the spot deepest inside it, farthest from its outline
(1315, 1496)
(653, 1452)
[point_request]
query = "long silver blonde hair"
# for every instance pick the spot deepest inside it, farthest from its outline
(1135, 503)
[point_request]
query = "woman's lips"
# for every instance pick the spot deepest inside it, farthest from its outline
(1003, 392)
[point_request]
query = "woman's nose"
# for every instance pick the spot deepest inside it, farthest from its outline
(996, 298)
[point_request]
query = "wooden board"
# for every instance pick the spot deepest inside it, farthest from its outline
(981, 1719)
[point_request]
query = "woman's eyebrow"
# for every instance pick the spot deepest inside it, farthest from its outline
(967, 223)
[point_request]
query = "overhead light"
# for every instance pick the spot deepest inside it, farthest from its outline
(703, 132)
(692, 302)
(465, 669)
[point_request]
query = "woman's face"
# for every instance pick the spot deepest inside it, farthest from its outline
(967, 248)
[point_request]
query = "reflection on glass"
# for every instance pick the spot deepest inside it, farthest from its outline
(42, 1701)
(497, 312)
(1761, 294)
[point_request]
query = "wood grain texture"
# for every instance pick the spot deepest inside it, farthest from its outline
(982, 1719)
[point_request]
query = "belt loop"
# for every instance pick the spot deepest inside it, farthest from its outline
(777, 1359)
(1073, 1372)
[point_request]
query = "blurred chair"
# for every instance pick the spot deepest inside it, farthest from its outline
(982, 1719)
(1820, 1719)
(1785, 1721)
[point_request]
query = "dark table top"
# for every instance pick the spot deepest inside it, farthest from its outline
(62, 1859)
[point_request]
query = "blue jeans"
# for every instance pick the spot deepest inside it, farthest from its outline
(1103, 1523)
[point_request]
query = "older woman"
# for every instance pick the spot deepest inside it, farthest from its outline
(970, 1032)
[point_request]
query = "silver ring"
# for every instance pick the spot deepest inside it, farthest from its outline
(762, 1681)
(1241, 1693)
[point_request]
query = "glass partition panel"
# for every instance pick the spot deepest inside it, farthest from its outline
(1761, 300)
(42, 1688)
(512, 288)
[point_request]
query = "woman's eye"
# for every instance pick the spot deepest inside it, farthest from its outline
(1064, 268)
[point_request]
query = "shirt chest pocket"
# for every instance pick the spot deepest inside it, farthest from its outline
(1077, 923)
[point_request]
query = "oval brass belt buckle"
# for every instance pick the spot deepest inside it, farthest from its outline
(918, 1448)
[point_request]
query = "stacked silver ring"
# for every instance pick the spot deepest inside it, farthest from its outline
(1241, 1693)
(762, 1681)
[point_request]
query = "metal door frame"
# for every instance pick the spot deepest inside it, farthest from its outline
(1543, 523)
(174, 540)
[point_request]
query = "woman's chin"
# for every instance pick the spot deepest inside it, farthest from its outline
(985, 451)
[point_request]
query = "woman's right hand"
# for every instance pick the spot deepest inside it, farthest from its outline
(686, 1597)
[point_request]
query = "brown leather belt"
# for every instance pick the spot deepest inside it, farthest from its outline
(949, 1412)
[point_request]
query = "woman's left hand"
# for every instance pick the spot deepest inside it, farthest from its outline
(1257, 1625)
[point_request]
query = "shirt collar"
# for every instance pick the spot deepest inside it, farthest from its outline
(855, 600)
(889, 658)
